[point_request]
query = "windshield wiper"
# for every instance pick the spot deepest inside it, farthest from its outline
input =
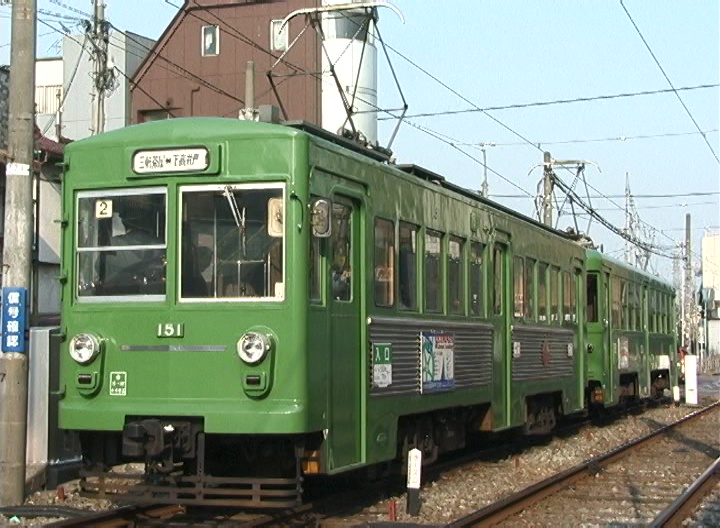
(238, 216)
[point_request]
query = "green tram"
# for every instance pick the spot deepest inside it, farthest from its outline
(246, 305)
(631, 342)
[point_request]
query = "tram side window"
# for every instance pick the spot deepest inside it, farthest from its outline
(530, 289)
(384, 262)
(433, 276)
(624, 308)
(567, 295)
(641, 314)
(477, 300)
(407, 264)
(616, 294)
(652, 311)
(542, 292)
(633, 305)
(575, 278)
(518, 287)
(341, 269)
(456, 297)
(498, 280)
(638, 307)
(555, 295)
(591, 298)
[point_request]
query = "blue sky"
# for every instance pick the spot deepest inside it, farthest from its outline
(510, 52)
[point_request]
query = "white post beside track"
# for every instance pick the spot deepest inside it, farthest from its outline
(691, 386)
(414, 476)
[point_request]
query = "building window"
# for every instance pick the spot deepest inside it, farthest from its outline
(210, 41)
(278, 36)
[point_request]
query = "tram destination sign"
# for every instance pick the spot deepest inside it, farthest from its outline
(171, 160)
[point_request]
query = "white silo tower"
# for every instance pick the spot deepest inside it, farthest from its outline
(349, 49)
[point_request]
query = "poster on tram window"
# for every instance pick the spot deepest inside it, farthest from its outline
(437, 358)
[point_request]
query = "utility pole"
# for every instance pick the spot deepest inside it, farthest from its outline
(547, 189)
(628, 221)
(103, 77)
(17, 253)
(688, 289)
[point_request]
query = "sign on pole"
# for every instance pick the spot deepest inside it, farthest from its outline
(14, 320)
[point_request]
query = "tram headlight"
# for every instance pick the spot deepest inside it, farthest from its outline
(253, 347)
(84, 348)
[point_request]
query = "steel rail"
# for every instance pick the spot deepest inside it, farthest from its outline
(512, 504)
(119, 517)
(685, 504)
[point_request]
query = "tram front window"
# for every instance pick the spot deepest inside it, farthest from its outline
(121, 243)
(232, 240)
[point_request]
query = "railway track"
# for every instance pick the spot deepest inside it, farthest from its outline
(629, 485)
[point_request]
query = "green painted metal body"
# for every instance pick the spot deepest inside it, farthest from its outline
(319, 377)
(617, 348)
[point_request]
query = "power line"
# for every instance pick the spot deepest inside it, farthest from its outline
(669, 81)
(187, 74)
(66, 90)
(82, 45)
(558, 101)
(595, 140)
(666, 206)
(608, 196)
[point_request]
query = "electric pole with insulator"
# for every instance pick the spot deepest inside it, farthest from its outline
(17, 254)
(103, 76)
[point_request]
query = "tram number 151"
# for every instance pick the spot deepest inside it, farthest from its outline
(170, 330)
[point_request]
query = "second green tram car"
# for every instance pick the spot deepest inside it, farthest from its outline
(630, 321)
(247, 305)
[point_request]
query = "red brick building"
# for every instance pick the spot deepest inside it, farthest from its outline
(198, 65)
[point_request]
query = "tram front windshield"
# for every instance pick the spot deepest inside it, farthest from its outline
(230, 244)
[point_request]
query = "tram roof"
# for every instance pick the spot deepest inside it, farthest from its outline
(186, 129)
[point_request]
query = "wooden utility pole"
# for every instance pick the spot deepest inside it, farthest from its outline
(17, 254)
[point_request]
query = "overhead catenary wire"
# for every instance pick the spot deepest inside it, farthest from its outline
(478, 144)
(516, 106)
(450, 142)
(71, 37)
(66, 89)
(677, 94)
(576, 199)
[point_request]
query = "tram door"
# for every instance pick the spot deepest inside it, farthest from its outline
(346, 355)
(608, 355)
(500, 313)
